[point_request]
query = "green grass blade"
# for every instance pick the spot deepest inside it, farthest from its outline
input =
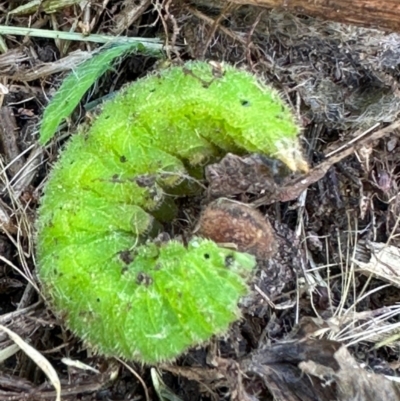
(77, 83)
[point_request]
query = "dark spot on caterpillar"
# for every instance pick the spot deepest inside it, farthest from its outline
(97, 299)
(206, 256)
(143, 278)
(114, 179)
(229, 261)
(145, 181)
(126, 256)
(122, 159)
(279, 117)
(124, 270)
(245, 103)
(106, 117)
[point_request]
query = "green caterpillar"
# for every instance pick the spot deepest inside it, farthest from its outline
(121, 293)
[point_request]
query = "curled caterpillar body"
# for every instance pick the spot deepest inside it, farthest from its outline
(122, 294)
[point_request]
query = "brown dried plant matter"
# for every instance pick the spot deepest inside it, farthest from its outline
(229, 222)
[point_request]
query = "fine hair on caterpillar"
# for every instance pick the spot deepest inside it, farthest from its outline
(114, 186)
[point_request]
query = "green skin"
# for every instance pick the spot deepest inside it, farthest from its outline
(123, 295)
